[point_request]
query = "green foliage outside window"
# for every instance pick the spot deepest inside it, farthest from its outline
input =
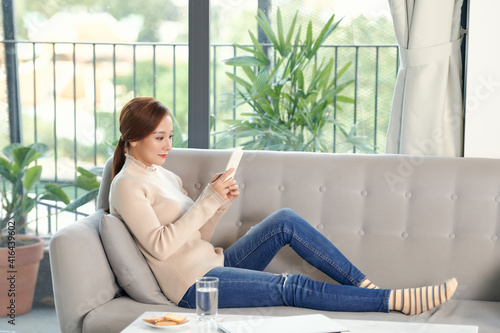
(293, 95)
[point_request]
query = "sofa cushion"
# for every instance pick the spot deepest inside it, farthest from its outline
(129, 265)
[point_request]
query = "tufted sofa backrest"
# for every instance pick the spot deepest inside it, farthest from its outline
(403, 220)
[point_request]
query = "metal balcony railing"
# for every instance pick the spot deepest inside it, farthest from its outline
(71, 94)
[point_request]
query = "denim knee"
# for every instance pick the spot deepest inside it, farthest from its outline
(286, 214)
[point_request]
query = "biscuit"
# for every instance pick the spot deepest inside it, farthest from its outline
(153, 320)
(166, 323)
(175, 318)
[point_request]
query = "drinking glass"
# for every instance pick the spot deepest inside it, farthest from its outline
(207, 298)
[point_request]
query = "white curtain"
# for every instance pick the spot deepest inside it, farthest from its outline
(427, 115)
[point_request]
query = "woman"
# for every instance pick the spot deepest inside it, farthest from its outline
(174, 233)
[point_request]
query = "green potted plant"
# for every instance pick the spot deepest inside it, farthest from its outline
(19, 253)
(292, 92)
(87, 181)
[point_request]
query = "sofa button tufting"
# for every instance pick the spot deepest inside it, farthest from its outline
(497, 198)
(494, 238)
(361, 232)
(452, 236)
(197, 185)
(364, 193)
(408, 194)
(404, 235)
(320, 227)
(454, 197)
(239, 224)
(322, 189)
(281, 188)
(242, 185)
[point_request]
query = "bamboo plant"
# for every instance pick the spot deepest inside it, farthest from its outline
(293, 94)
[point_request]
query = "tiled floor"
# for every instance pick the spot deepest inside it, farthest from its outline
(41, 319)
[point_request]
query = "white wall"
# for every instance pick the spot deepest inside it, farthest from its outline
(482, 106)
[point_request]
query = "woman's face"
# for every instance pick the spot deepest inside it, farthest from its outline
(154, 148)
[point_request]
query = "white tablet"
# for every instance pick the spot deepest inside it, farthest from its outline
(234, 161)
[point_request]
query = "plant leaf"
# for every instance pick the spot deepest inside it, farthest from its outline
(309, 40)
(250, 73)
(281, 37)
(32, 177)
(87, 180)
(55, 193)
(41, 149)
(291, 30)
(266, 28)
(6, 173)
(325, 32)
(4, 163)
(345, 99)
(259, 52)
(8, 150)
(86, 173)
(22, 155)
(29, 204)
(244, 61)
(343, 69)
(245, 48)
(240, 81)
(340, 87)
(87, 183)
(82, 200)
(260, 83)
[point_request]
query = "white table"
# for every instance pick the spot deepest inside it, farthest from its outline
(254, 324)
(367, 326)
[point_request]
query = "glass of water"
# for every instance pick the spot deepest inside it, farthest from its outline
(207, 298)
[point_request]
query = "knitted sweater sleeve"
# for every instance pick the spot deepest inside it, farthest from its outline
(130, 201)
(208, 229)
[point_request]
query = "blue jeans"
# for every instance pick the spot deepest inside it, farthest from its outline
(242, 282)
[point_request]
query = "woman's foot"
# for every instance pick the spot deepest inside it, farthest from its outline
(413, 301)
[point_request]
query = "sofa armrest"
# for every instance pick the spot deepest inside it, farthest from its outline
(81, 275)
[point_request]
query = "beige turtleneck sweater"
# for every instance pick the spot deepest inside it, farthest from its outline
(171, 230)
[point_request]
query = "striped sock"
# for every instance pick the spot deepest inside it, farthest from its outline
(368, 284)
(413, 301)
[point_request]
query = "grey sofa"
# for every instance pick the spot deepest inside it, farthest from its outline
(403, 220)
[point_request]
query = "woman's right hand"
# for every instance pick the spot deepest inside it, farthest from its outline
(226, 187)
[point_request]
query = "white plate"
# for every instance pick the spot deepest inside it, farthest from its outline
(172, 328)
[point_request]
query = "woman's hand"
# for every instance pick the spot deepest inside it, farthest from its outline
(227, 188)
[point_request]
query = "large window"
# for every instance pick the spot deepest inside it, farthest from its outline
(364, 38)
(80, 61)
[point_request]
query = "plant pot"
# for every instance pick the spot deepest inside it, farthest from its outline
(18, 274)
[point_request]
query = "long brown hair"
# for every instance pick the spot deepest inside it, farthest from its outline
(138, 119)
